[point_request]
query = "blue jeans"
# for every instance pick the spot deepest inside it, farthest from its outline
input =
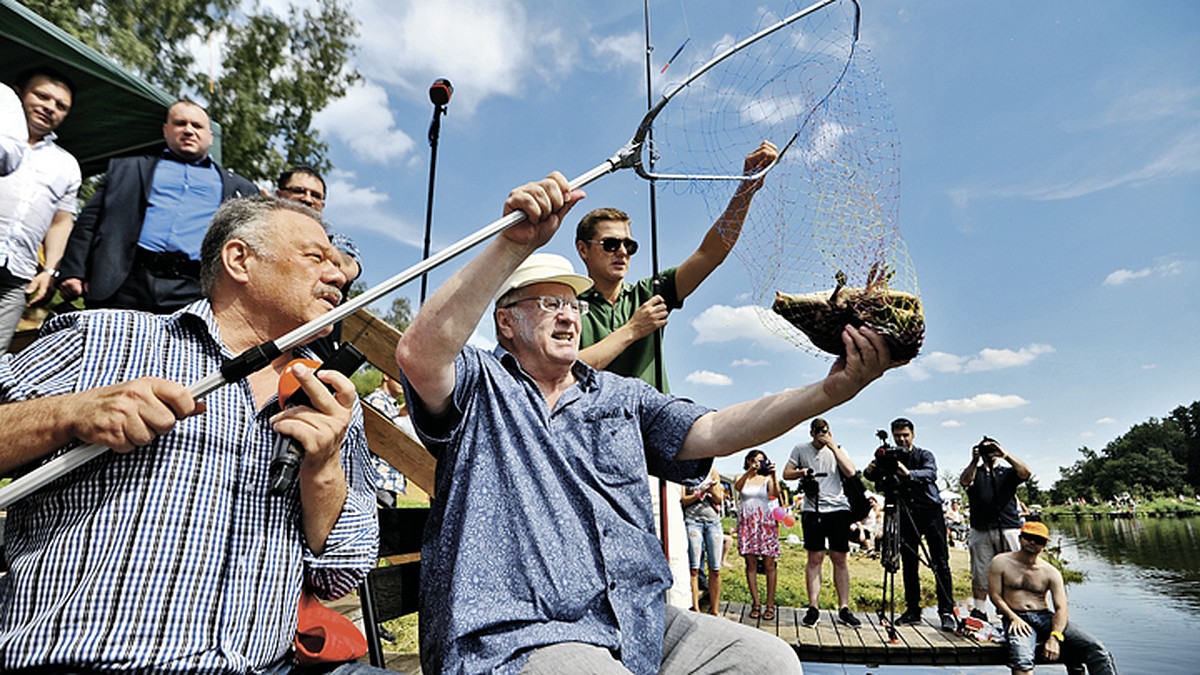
(1078, 646)
(705, 534)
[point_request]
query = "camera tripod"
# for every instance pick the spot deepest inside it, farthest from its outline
(890, 557)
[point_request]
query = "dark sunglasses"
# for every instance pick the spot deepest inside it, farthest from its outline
(1035, 539)
(611, 244)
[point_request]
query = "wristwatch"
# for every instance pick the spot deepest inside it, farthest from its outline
(1057, 635)
(52, 272)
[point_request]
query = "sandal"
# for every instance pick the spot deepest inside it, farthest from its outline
(769, 614)
(754, 611)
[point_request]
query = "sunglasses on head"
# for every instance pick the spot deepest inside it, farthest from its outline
(611, 244)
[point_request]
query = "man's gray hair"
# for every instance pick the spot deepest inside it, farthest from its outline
(247, 219)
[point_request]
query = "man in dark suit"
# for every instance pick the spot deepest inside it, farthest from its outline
(136, 245)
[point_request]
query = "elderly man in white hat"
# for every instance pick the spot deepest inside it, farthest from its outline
(540, 554)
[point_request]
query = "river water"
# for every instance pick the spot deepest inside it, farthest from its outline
(1141, 596)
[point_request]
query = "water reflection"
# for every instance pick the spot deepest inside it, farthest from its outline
(1164, 552)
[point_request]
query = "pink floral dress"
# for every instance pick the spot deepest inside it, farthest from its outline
(758, 533)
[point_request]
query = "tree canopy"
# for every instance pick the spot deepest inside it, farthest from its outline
(275, 72)
(1156, 456)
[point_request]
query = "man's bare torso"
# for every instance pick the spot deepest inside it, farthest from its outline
(1025, 585)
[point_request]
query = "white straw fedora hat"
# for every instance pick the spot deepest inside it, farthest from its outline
(542, 268)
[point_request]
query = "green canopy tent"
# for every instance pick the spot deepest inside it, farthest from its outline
(115, 113)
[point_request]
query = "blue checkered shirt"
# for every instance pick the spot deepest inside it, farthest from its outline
(173, 557)
(541, 529)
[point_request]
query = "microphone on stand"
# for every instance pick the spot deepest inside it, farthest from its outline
(440, 91)
(285, 461)
(439, 94)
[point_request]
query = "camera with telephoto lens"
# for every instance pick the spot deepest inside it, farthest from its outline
(887, 460)
(988, 447)
(764, 467)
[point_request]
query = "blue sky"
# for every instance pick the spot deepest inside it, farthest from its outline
(1049, 159)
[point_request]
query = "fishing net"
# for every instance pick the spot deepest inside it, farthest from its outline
(823, 228)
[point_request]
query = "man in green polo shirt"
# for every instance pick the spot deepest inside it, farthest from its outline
(617, 331)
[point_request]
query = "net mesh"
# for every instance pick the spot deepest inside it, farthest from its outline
(829, 208)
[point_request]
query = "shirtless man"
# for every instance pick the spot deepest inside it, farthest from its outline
(1018, 583)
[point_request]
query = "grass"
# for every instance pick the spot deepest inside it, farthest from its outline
(866, 579)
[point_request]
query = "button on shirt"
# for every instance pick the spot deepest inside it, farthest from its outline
(173, 557)
(541, 530)
(45, 183)
(183, 198)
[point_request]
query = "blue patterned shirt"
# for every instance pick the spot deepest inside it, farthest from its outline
(541, 529)
(173, 557)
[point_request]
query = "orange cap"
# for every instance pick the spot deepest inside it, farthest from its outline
(1036, 528)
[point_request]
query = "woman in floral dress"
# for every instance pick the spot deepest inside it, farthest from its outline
(758, 533)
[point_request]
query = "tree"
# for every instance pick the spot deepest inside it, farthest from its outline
(400, 314)
(1188, 421)
(275, 73)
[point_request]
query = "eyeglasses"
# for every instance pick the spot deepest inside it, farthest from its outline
(554, 304)
(297, 191)
(611, 244)
(1034, 539)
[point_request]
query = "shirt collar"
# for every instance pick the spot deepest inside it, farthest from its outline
(45, 140)
(584, 374)
(205, 161)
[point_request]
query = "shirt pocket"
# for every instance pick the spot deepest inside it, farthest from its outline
(617, 443)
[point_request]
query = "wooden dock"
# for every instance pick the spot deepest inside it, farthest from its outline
(831, 641)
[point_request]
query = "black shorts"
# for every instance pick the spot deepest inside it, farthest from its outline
(819, 527)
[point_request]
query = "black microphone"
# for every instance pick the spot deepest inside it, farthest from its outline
(440, 91)
(285, 462)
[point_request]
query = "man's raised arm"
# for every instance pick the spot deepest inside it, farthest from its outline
(724, 233)
(426, 352)
(751, 423)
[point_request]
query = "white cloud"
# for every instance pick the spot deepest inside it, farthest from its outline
(363, 120)
(496, 50)
(749, 363)
(951, 424)
(1031, 421)
(619, 51)
(722, 323)
(710, 378)
(354, 209)
(1164, 268)
(1106, 420)
(988, 358)
(996, 359)
(1179, 157)
(975, 404)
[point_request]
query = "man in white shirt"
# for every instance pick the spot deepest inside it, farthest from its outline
(37, 200)
(820, 464)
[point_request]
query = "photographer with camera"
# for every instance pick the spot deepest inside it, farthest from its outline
(995, 520)
(758, 533)
(908, 474)
(825, 517)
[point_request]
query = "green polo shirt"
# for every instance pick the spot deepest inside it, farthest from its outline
(604, 317)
